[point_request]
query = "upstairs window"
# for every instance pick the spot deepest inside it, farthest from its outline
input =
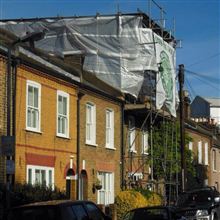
(62, 114)
(33, 94)
(214, 165)
(206, 153)
(191, 149)
(145, 145)
(191, 146)
(132, 134)
(200, 152)
(90, 124)
(109, 129)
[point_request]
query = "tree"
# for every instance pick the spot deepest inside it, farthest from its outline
(166, 152)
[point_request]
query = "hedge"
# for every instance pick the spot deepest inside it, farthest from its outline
(131, 199)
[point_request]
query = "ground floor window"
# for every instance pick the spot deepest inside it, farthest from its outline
(106, 193)
(135, 176)
(40, 175)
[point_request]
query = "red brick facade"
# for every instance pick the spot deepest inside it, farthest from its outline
(44, 148)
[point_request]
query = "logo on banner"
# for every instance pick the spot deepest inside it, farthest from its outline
(166, 75)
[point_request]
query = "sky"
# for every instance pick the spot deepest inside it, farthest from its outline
(197, 26)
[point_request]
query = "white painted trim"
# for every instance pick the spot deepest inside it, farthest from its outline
(66, 95)
(93, 124)
(200, 152)
(38, 86)
(144, 149)
(47, 169)
(110, 145)
(132, 140)
(206, 162)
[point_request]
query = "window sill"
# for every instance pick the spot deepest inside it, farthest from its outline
(92, 144)
(133, 151)
(145, 154)
(63, 137)
(33, 131)
(110, 148)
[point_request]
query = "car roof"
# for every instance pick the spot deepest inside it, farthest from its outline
(210, 189)
(155, 207)
(52, 203)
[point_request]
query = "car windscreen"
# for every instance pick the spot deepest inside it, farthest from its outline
(198, 197)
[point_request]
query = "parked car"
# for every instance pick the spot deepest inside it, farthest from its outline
(153, 213)
(58, 210)
(203, 203)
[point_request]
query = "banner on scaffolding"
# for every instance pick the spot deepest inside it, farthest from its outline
(166, 92)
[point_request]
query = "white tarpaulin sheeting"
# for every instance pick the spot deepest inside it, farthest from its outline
(117, 49)
(166, 83)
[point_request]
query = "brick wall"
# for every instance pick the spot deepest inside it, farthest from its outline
(196, 138)
(45, 142)
(135, 162)
(3, 113)
(99, 158)
(215, 174)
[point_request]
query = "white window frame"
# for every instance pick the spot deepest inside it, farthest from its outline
(191, 146)
(132, 135)
(145, 144)
(106, 194)
(136, 176)
(91, 126)
(214, 160)
(200, 152)
(47, 170)
(38, 122)
(206, 154)
(65, 95)
(109, 129)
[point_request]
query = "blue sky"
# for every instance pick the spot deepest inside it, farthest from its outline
(197, 26)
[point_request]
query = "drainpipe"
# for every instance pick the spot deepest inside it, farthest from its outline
(122, 147)
(80, 95)
(9, 92)
(14, 97)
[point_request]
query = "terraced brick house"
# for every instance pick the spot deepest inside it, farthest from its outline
(44, 111)
(100, 146)
(57, 117)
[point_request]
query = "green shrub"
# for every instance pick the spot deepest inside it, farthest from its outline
(127, 200)
(131, 199)
(26, 193)
(151, 197)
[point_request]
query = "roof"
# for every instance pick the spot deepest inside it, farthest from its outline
(194, 126)
(111, 42)
(52, 65)
(146, 20)
(214, 102)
